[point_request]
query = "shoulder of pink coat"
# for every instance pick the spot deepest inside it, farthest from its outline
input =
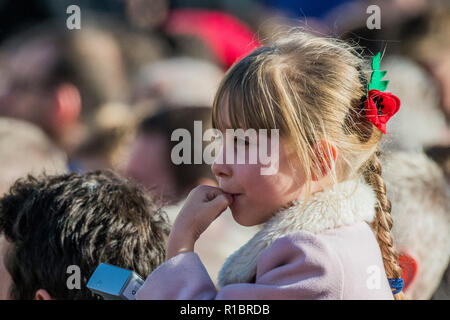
(307, 256)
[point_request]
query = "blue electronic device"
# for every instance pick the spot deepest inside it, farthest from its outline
(114, 283)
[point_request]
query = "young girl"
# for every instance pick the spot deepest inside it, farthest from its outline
(326, 219)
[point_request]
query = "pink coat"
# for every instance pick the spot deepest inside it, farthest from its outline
(326, 251)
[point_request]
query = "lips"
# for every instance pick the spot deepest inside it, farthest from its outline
(233, 195)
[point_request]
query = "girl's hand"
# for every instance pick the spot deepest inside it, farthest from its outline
(203, 205)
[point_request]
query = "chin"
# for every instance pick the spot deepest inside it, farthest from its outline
(242, 219)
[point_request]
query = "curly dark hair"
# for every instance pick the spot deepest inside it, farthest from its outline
(53, 222)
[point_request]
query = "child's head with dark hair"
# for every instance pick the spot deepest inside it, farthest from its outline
(52, 222)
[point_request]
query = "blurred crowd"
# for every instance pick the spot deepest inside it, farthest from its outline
(109, 95)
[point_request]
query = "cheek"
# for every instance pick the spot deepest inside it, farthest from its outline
(266, 191)
(247, 176)
(263, 196)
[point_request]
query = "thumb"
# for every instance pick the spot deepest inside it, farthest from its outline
(221, 202)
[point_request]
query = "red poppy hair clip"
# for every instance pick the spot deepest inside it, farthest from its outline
(379, 106)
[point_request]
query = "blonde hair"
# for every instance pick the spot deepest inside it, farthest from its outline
(311, 88)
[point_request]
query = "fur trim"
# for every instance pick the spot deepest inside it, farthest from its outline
(345, 203)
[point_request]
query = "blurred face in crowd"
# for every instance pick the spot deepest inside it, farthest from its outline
(5, 277)
(27, 91)
(149, 165)
(22, 92)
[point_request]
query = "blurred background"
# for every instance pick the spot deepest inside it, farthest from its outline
(103, 85)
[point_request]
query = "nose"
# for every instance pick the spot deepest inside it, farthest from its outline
(221, 170)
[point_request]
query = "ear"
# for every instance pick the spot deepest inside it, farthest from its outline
(324, 150)
(68, 104)
(409, 269)
(42, 294)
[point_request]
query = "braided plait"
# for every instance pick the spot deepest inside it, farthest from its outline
(382, 223)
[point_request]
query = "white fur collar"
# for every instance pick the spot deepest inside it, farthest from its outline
(345, 203)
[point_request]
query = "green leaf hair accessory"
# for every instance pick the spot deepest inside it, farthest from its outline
(375, 79)
(379, 106)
